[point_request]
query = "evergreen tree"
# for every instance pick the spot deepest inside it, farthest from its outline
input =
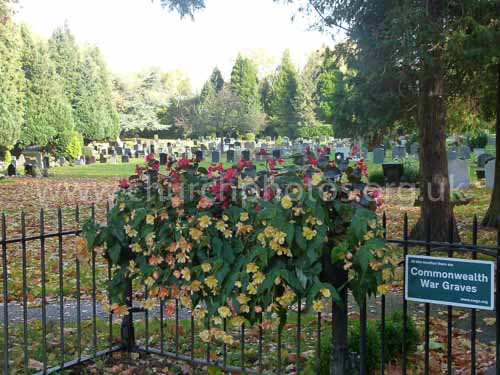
(285, 93)
(245, 84)
(217, 80)
(11, 84)
(48, 116)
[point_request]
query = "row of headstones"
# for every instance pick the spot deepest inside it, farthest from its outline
(458, 171)
(41, 162)
(399, 152)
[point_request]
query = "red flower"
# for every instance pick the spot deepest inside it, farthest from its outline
(230, 174)
(262, 151)
(307, 180)
(215, 168)
(281, 161)
(268, 194)
(124, 184)
(313, 161)
(150, 157)
(183, 163)
(138, 170)
(243, 163)
(156, 166)
(271, 163)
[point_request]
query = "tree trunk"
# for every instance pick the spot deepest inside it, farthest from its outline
(337, 276)
(435, 201)
(493, 214)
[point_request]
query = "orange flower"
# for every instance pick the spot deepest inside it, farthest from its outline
(205, 203)
(155, 260)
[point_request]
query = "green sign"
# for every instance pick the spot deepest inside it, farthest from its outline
(450, 281)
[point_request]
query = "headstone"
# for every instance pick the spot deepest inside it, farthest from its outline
(464, 152)
(230, 156)
(119, 151)
(125, 158)
(489, 172)
(199, 155)
(277, 154)
(46, 162)
(90, 159)
(62, 160)
(478, 152)
(492, 141)
(152, 148)
(237, 144)
(378, 155)
(39, 160)
(245, 155)
(13, 161)
(414, 148)
(113, 159)
(11, 170)
(458, 171)
(483, 159)
(215, 157)
(398, 152)
(21, 160)
(163, 158)
(102, 159)
(452, 155)
(344, 150)
(339, 156)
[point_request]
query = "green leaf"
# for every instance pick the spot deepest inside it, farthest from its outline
(114, 253)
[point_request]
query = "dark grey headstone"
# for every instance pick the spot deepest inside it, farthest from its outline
(398, 152)
(230, 156)
(245, 155)
(378, 155)
(199, 155)
(163, 158)
(215, 157)
(277, 154)
(11, 170)
(125, 158)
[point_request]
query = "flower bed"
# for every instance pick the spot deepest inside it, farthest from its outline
(234, 243)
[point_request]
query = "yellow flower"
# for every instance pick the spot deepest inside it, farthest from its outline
(286, 202)
(150, 219)
(237, 321)
(244, 309)
(205, 336)
(316, 179)
(237, 284)
(243, 229)
(200, 313)
(242, 299)
(224, 312)
(279, 237)
(122, 206)
(383, 289)
(184, 245)
(258, 278)
(186, 302)
(251, 289)
(318, 305)
(204, 221)
(277, 280)
(131, 232)
(150, 239)
(220, 226)
(206, 267)
(195, 286)
(132, 268)
(308, 233)
(368, 236)
(181, 257)
(186, 274)
(269, 231)
(136, 248)
(387, 274)
(217, 321)
(119, 310)
(211, 282)
(149, 281)
(325, 292)
(195, 234)
(164, 215)
(148, 304)
(228, 339)
(252, 268)
(244, 216)
(262, 239)
(297, 211)
(225, 217)
(228, 233)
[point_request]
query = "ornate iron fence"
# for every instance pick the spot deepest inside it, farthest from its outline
(51, 297)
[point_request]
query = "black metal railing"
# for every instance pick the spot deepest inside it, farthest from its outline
(41, 272)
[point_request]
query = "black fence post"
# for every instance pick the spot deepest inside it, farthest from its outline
(127, 327)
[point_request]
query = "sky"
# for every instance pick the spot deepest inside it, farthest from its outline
(137, 34)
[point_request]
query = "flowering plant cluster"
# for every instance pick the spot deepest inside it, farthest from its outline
(235, 243)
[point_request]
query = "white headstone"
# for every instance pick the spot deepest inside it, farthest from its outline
(113, 159)
(489, 173)
(458, 171)
(21, 160)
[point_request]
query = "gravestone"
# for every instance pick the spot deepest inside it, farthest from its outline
(230, 156)
(245, 155)
(339, 156)
(378, 155)
(62, 160)
(90, 159)
(125, 158)
(464, 152)
(13, 161)
(452, 155)
(458, 171)
(343, 150)
(152, 148)
(237, 154)
(11, 170)
(102, 159)
(113, 159)
(277, 154)
(414, 148)
(46, 162)
(119, 151)
(215, 157)
(163, 158)
(483, 159)
(492, 141)
(39, 160)
(489, 172)
(398, 152)
(21, 160)
(199, 155)
(479, 151)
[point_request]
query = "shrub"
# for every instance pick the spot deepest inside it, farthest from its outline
(480, 140)
(74, 146)
(411, 172)
(8, 157)
(377, 177)
(279, 140)
(249, 137)
(393, 342)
